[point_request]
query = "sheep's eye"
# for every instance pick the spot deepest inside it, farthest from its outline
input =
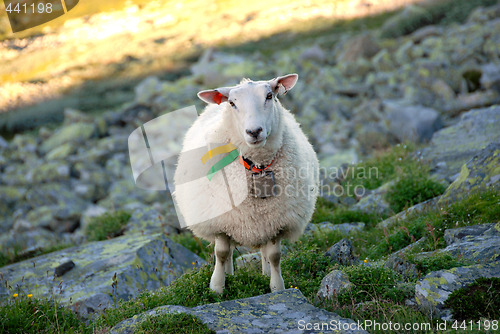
(269, 96)
(232, 104)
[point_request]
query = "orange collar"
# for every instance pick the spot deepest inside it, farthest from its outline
(248, 164)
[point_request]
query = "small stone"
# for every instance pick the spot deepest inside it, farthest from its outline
(332, 284)
(64, 267)
(342, 253)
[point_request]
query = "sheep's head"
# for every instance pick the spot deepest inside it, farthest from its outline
(253, 105)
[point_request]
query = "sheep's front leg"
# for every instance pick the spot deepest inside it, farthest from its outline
(273, 253)
(266, 266)
(228, 268)
(222, 250)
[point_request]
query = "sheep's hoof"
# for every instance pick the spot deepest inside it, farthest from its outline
(279, 286)
(216, 288)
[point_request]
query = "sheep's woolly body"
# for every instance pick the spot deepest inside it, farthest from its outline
(255, 221)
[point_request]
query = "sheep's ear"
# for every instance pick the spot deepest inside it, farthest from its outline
(284, 83)
(218, 95)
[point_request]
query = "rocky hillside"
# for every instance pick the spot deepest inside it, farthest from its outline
(421, 107)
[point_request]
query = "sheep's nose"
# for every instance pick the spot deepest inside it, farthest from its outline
(254, 133)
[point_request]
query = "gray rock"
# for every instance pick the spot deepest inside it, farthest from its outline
(395, 25)
(490, 76)
(342, 253)
(412, 123)
(76, 132)
(403, 267)
(420, 207)
(76, 116)
(148, 220)
(344, 228)
(314, 53)
(246, 259)
(374, 202)
(26, 241)
(432, 291)
(54, 194)
(481, 172)
(50, 172)
(332, 284)
(361, 46)
(479, 243)
(425, 32)
(466, 101)
(139, 263)
(450, 148)
(383, 61)
(286, 311)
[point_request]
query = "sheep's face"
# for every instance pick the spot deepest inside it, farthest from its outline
(253, 106)
(254, 112)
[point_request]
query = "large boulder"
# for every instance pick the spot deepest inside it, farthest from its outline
(286, 311)
(412, 123)
(453, 146)
(434, 289)
(103, 271)
(481, 172)
(478, 243)
(342, 253)
(76, 132)
(332, 284)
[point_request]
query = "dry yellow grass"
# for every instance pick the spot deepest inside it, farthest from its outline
(77, 49)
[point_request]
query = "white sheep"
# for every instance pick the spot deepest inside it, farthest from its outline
(250, 117)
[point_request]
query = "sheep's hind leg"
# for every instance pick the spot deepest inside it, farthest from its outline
(273, 252)
(228, 267)
(266, 266)
(222, 250)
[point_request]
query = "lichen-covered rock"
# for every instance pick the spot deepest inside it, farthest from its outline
(361, 46)
(139, 263)
(76, 132)
(412, 123)
(344, 228)
(481, 172)
(374, 201)
(400, 23)
(286, 311)
(453, 146)
(50, 172)
(342, 253)
(148, 220)
(427, 205)
(401, 266)
(332, 284)
(478, 243)
(432, 291)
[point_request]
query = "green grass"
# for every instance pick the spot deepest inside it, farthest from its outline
(384, 167)
(200, 247)
(435, 262)
(191, 289)
(179, 323)
(15, 254)
(412, 189)
(479, 300)
(304, 268)
(372, 282)
(107, 226)
(476, 208)
(25, 315)
(327, 212)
